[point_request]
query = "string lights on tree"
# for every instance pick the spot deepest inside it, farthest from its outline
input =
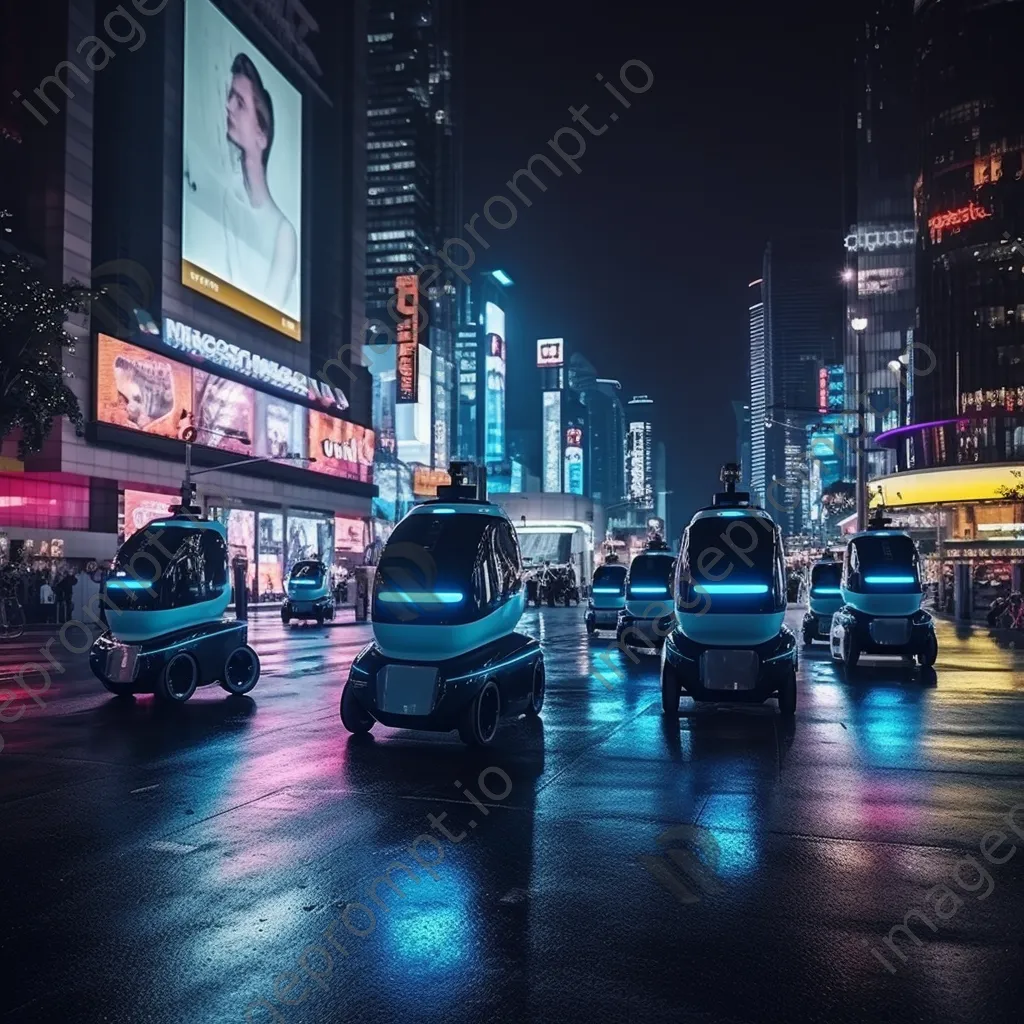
(33, 339)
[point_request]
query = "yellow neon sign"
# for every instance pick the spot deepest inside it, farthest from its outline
(1002, 482)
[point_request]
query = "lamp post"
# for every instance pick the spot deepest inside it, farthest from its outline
(860, 325)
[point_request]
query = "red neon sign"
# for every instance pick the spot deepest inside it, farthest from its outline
(956, 219)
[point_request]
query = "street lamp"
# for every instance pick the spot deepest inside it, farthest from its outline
(860, 325)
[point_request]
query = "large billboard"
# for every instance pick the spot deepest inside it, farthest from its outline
(407, 303)
(142, 507)
(551, 440)
(574, 461)
(141, 390)
(241, 208)
(494, 371)
(638, 464)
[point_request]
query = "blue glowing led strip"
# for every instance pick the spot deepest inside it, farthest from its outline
(607, 590)
(731, 588)
(889, 579)
(648, 590)
(131, 584)
(397, 597)
(499, 665)
(732, 514)
(443, 511)
(825, 590)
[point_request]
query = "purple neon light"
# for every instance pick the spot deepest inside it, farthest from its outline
(897, 431)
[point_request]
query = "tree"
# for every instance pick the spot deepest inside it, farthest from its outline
(33, 388)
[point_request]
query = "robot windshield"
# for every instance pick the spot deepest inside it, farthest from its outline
(443, 567)
(179, 569)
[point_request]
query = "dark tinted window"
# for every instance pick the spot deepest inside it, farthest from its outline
(826, 575)
(610, 576)
(885, 554)
(449, 554)
(164, 567)
(651, 569)
(724, 553)
(307, 571)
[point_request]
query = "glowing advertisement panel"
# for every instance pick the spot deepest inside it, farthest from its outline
(573, 470)
(407, 288)
(550, 351)
(241, 209)
(142, 507)
(551, 439)
(494, 370)
(340, 448)
(143, 391)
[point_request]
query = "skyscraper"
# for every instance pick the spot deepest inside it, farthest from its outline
(640, 452)
(880, 242)
(413, 177)
(603, 433)
(760, 389)
(802, 314)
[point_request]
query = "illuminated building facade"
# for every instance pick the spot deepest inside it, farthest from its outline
(961, 459)
(604, 430)
(802, 319)
(760, 388)
(413, 169)
(970, 207)
(880, 242)
(640, 452)
(184, 336)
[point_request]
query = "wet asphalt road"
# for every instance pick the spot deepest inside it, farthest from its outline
(195, 863)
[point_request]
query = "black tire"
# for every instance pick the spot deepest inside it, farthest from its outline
(285, 617)
(353, 717)
(787, 694)
(119, 689)
(537, 689)
(178, 680)
(808, 636)
(480, 720)
(241, 671)
(671, 691)
(320, 618)
(927, 656)
(591, 629)
(851, 653)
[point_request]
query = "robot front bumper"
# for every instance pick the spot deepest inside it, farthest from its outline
(433, 696)
(741, 674)
(602, 618)
(888, 634)
(139, 663)
(308, 608)
(640, 632)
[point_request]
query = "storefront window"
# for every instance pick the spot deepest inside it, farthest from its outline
(350, 542)
(271, 556)
(241, 527)
(309, 536)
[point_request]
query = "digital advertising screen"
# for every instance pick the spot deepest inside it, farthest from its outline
(271, 553)
(144, 391)
(280, 427)
(340, 448)
(140, 390)
(142, 507)
(551, 441)
(223, 413)
(407, 303)
(494, 370)
(241, 210)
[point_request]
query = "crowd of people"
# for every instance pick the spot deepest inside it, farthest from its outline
(46, 595)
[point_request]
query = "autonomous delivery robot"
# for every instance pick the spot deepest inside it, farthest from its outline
(881, 593)
(447, 596)
(730, 643)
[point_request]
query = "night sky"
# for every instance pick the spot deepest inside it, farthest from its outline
(642, 261)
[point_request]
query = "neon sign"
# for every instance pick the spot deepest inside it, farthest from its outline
(823, 389)
(407, 362)
(889, 238)
(956, 219)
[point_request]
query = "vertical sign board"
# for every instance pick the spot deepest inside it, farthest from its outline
(407, 310)
(552, 435)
